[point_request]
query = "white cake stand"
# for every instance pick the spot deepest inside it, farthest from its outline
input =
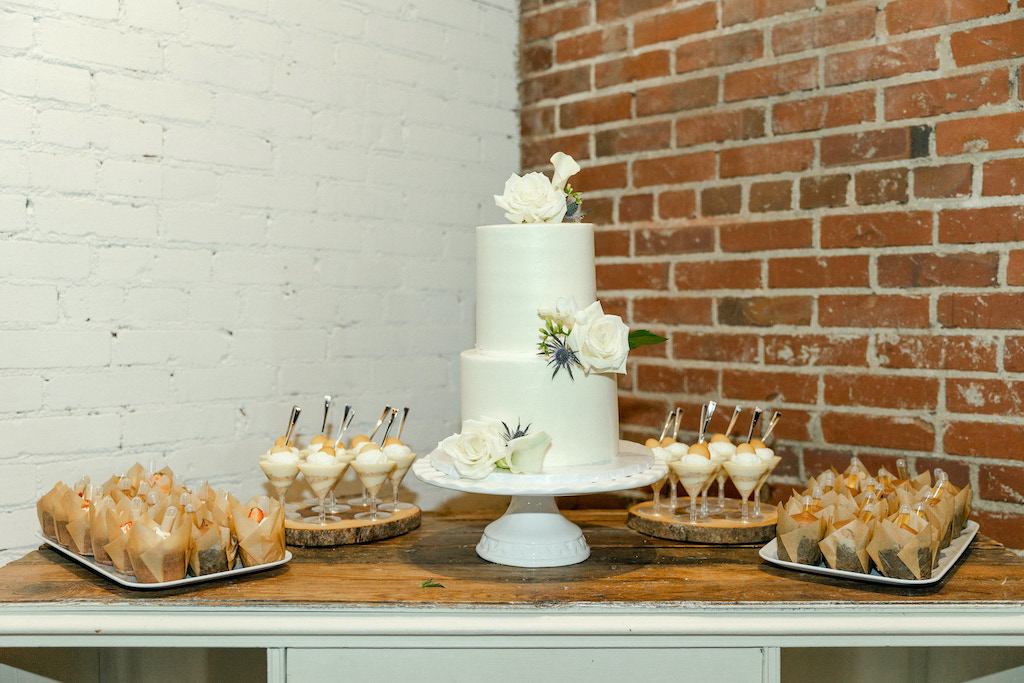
(532, 532)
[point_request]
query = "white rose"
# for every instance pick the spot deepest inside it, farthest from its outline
(565, 166)
(527, 453)
(476, 450)
(601, 341)
(564, 311)
(531, 199)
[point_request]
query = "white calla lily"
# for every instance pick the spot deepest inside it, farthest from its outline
(565, 166)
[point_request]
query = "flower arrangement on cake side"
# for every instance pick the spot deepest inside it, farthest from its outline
(572, 337)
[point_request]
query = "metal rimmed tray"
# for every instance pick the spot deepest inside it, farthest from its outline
(130, 582)
(947, 558)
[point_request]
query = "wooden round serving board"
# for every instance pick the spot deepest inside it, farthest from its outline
(350, 530)
(716, 530)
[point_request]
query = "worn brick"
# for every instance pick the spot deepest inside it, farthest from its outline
(535, 121)
(980, 134)
(643, 412)
(1003, 483)
(554, 84)
(738, 124)
(545, 24)
(882, 61)
(985, 396)
(825, 29)
(613, 276)
(882, 187)
(1003, 177)
(603, 41)
(895, 392)
(872, 310)
(877, 431)
(673, 170)
(535, 57)
(773, 195)
(675, 24)
(988, 43)
(607, 176)
(635, 138)
(721, 201)
(774, 79)
(871, 146)
(823, 191)
(911, 271)
(721, 50)
(1015, 268)
(536, 153)
(1000, 440)
(716, 347)
(806, 272)
(815, 350)
(685, 240)
(673, 310)
(982, 225)
(829, 111)
(773, 387)
(764, 311)
(677, 204)
(766, 235)
(744, 11)
(717, 274)
(1004, 527)
(676, 97)
(997, 311)
(595, 110)
(931, 352)
(639, 67)
(937, 182)
(609, 242)
(778, 157)
(902, 16)
(672, 379)
(903, 228)
(1013, 354)
(946, 95)
(636, 207)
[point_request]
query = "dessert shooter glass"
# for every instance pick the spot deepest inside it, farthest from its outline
(373, 476)
(322, 478)
(281, 476)
(745, 478)
(403, 461)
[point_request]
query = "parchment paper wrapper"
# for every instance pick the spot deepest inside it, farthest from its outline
(77, 525)
(163, 480)
(46, 509)
(845, 548)
(962, 506)
(939, 514)
(154, 558)
(117, 547)
(212, 550)
(259, 543)
(98, 528)
(900, 554)
(798, 542)
(136, 473)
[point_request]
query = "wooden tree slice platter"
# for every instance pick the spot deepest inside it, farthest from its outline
(717, 530)
(350, 530)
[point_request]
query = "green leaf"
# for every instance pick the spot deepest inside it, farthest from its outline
(643, 338)
(431, 583)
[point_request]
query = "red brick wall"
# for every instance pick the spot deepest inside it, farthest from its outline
(819, 203)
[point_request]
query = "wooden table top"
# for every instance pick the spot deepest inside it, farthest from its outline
(624, 568)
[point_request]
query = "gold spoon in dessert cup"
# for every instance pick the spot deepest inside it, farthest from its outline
(373, 475)
(281, 465)
(333, 506)
(772, 461)
(753, 423)
(403, 460)
(744, 476)
(322, 477)
(695, 476)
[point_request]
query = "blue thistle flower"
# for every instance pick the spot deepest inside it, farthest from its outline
(519, 430)
(561, 356)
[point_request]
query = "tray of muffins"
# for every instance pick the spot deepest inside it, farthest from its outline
(142, 529)
(885, 528)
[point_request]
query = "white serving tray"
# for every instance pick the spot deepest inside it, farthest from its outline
(130, 582)
(947, 558)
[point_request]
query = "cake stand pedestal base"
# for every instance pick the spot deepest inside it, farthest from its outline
(533, 533)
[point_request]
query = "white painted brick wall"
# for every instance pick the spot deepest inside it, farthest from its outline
(210, 211)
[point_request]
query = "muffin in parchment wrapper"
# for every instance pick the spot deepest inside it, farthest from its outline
(262, 541)
(98, 528)
(798, 534)
(963, 504)
(844, 546)
(213, 549)
(221, 507)
(47, 510)
(79, 534)
(939, 513)
(899, 553)
(157, 555)
(120, 519)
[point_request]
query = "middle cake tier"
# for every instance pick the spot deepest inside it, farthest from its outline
(581, 415)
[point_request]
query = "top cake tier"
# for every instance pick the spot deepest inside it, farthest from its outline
(520, 268)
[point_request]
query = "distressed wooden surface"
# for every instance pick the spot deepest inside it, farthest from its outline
(716, 531)
(350, 530)
(624, 567)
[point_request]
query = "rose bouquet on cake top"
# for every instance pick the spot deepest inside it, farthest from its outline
(484, 446)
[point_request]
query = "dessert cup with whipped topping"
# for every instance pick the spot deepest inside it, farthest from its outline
(373, 468)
